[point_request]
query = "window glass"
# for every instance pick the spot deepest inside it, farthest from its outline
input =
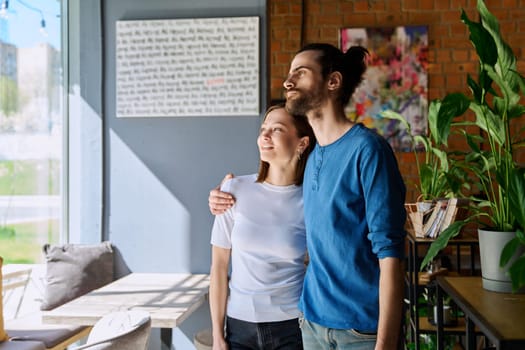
(31, 127)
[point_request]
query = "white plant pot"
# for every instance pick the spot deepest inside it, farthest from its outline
(448, 317)
(491, 244)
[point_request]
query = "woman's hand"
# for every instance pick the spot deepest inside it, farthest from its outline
(220, 344)
(219, 201)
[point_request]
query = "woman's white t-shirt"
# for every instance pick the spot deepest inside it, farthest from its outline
(266, 234)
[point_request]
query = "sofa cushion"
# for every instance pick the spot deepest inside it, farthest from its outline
(31, 328)
(75, 269)
(22, 345)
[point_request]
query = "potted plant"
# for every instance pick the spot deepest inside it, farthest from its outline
(495, 102)
(449, 315)
(438, 176)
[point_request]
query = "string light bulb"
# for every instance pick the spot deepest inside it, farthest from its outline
(43, 27)
(3, 8)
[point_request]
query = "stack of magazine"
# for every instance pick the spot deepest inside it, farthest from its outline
(430, 222)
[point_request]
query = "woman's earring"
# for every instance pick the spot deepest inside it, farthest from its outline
(299, 154)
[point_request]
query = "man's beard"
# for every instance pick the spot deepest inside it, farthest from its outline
(302, 103)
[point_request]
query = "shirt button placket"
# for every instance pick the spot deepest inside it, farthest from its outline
(319, 162)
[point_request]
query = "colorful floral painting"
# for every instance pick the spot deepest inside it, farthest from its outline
(396, 79)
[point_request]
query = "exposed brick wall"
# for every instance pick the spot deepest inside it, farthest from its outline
(451, 55)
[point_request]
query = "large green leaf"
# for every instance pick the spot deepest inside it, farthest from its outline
(477, 92)
(485, 82)
(520, 234)
(508, 251)
(443, 158)
(489, 122)
(488, 19)
(473, 141)
(517, 273)
(453, 105)
(442, 241)
(515, 80)
(516, 270)
(509, 90)
(426, 173)
(420, 139)
(457, 179)
(486, 162)
(506, 60)
(390, 114)
(433, 112)
(482, 40)
(516, 195)
(491, 25)
(521, 82)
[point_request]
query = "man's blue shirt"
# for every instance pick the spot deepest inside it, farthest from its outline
(354, 214)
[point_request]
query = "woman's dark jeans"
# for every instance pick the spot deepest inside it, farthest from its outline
(282, 335)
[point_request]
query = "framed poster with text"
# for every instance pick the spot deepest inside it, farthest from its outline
(187, 67)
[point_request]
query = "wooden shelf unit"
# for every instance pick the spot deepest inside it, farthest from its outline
(464, 246)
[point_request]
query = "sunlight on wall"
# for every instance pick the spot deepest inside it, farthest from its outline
(146, 219)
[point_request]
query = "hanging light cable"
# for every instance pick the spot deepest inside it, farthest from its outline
(42, 20)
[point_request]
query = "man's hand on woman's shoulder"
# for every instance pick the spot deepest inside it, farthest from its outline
(220, 201)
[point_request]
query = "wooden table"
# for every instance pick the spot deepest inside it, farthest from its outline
(500, 316)
(169, 298)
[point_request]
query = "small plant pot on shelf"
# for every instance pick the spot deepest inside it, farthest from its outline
(449, 308)
(449, 318)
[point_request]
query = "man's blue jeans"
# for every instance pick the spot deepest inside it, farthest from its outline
(282, 335)
(316, 337)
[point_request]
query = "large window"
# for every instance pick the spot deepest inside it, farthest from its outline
(31, 128)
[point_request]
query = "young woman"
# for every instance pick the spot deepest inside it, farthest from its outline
(264, 235)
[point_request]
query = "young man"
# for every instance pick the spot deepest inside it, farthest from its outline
(354, 210)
